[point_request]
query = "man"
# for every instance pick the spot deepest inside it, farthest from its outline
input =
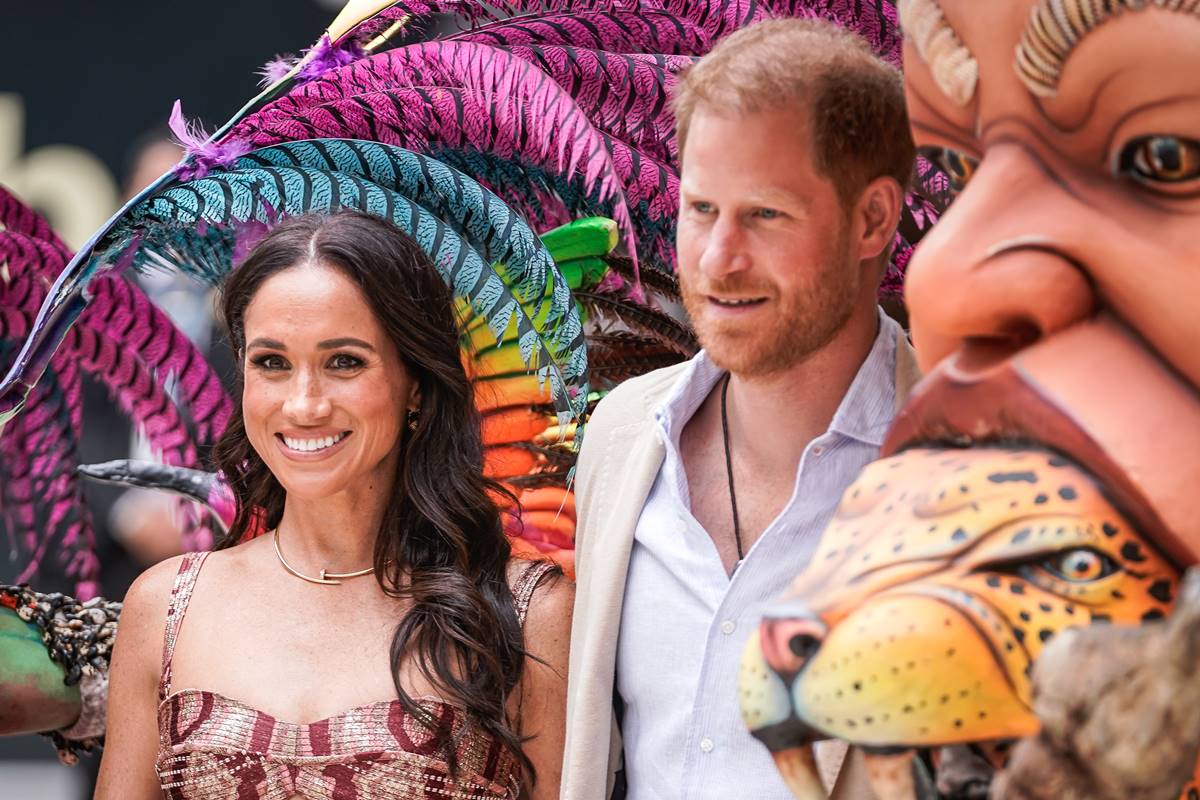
(704, 487)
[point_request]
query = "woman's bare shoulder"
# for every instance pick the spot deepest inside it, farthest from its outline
(151, 591)
(144, 614)
(548, 620)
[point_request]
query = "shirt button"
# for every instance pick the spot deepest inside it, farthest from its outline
(706, 744)
(728, 627)
(818, 449)
(681, 526)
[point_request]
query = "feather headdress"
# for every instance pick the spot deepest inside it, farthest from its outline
(531, 115)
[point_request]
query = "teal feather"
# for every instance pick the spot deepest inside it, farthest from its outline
(194, 226)
(474, 211)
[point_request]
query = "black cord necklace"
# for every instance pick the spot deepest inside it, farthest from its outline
(737, 528)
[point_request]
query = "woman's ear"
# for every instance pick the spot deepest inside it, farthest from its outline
(414, 398)
(878, 212)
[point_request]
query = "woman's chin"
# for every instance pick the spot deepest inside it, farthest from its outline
(310, 488)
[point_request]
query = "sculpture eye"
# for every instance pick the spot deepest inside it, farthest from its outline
(1080, 565)
(958, 166)
(1157, 160)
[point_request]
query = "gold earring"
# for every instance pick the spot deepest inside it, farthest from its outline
(411, 418)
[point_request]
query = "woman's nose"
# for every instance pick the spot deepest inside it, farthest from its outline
(997, 268)
(307, 402)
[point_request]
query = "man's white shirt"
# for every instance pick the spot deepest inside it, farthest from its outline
(684, 622)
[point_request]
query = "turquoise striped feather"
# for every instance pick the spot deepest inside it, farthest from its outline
(193, 226)
(475, 212)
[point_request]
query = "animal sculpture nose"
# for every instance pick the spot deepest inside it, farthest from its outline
(789, 643)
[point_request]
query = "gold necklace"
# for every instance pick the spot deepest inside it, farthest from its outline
(327, 578)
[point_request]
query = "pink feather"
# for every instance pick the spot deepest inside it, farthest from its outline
(202, 153)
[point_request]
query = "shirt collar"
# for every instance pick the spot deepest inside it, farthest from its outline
(864, 414)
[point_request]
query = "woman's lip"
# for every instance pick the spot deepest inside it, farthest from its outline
(311, 455)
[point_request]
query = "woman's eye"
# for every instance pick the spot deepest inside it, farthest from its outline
(1079, 566)
(1161, 160)
(345, 361)
(958, 167)
(269, 362)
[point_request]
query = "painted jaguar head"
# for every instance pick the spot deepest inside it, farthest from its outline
(940, 579)
(1042, 476)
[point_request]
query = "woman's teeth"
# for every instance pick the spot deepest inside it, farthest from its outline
(313, 445)
(749, 302)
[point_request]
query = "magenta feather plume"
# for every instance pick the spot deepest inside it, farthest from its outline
(874, 20)
(624, 96)
(616, 30)
(202, 153)
(131, 348)
(516, 108)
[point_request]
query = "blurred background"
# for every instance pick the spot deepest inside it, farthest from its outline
(85, 91)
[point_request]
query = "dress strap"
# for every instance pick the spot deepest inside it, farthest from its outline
(522, 590)
(181, 593)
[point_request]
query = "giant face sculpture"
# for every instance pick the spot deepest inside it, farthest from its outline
(1043, 474)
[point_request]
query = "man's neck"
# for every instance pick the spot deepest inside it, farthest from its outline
(773, 417)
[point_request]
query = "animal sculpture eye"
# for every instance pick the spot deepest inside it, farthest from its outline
(1080, 566)
(959, 167)
(1161, 160)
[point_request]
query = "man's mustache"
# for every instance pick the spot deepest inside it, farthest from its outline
(739, 286)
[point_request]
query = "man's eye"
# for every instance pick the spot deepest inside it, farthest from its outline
(702, 207)
(345, 361)
(958, 167)
(1160, 160)
(769, 213)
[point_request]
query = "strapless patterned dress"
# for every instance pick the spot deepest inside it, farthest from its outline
(212, 747)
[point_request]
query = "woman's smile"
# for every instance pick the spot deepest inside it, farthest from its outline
(311, 446)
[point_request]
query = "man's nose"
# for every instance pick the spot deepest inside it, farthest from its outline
(724, 248)
(307, 401)
(997, 268)
(790, 642)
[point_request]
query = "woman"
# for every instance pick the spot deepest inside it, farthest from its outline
(370, 644)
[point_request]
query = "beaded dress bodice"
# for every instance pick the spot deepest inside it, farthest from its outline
(214, 747)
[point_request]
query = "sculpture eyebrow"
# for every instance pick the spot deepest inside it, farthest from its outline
(954, 68)
(1056, 27)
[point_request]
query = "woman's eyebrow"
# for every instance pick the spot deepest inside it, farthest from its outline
(345, 341)
(272, 344)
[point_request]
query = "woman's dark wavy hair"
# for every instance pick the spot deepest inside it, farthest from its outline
(441, 542)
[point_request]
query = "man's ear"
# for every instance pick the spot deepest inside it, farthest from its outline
(877, 214)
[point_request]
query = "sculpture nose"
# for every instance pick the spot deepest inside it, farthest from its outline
(1000, 268)
(789, 643)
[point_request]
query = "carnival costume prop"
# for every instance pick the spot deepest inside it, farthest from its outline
(529, 117)
(1042, 476)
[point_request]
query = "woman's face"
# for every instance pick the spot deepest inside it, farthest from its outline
(325, 391)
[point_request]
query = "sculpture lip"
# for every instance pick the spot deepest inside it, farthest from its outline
(1095, 394)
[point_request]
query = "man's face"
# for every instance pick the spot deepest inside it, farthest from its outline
(765, 260)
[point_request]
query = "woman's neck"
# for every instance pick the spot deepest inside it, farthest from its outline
(334, 533)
